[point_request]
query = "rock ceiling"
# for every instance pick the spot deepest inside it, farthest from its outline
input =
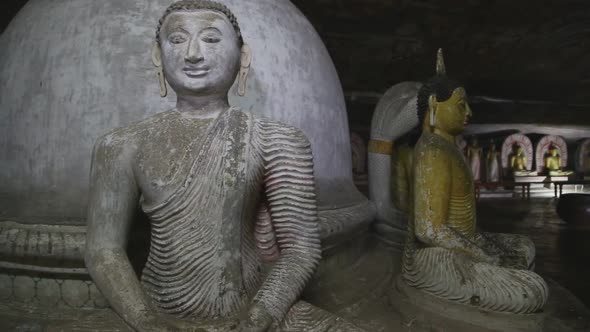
(525, 51)
(532, 54)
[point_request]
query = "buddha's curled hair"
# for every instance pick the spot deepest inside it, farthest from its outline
(194, 5)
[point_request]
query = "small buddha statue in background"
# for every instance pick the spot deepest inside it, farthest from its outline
(230, 198)
(518, 161)
(553, 163)
(474, 153)
(492, 163)
(445, 255)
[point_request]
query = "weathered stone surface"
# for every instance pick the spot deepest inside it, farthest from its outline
(75, 293)
(24, 289)
(48, 292)
(6, 287)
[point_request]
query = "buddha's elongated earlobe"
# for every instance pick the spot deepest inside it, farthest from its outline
(245, 62)
(432, 110)
(157, 61)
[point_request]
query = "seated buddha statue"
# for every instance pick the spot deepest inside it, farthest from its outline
(553, 163)
(445, 254)
(230, 198)
(518, 162)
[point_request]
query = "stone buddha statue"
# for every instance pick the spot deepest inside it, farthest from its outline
(553, 163)
(446, 257)
(492, 163)
(230, 198)
(474, 154)
(518, 162)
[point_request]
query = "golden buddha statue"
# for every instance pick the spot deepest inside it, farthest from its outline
(553, 163)
(518, 162)
(445, 256)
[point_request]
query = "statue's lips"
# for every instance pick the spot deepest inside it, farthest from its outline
(195, 71)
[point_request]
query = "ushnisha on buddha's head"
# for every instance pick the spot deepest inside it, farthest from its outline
(199, 49)
(442, 103)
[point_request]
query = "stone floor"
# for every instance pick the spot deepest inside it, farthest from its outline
(563, 251)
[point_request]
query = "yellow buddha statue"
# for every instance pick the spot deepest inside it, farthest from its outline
(553, 163)
(445, 255)
(518, 162)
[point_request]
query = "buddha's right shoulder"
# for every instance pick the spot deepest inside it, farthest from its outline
(135, 132)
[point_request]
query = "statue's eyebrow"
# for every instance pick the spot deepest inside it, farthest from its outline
(214, 29)
(178, 28)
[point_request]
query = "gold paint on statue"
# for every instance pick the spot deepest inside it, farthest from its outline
(518, 163)
(518, 160)
(445, 215)
(381, 147)
(553, 163)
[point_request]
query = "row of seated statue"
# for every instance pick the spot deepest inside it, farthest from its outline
(232, 204)
(517, 162)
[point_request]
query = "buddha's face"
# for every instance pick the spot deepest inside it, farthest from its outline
(200, 52)
(553, 152)
(519, 151)
(453, 115)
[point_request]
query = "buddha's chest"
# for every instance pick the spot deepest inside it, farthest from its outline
(166, 156)
(553, 163)
(461, 177)
(461, 212)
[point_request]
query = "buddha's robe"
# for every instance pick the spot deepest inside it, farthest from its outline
(452, 274)
(242, 228)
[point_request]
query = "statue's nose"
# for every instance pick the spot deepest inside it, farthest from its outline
(193, 53)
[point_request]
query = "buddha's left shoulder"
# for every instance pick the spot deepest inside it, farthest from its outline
(279, 129)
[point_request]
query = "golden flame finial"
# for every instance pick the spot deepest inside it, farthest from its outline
(440, 63)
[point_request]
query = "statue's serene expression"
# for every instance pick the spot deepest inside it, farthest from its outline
(200, 52)
(453, 115)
